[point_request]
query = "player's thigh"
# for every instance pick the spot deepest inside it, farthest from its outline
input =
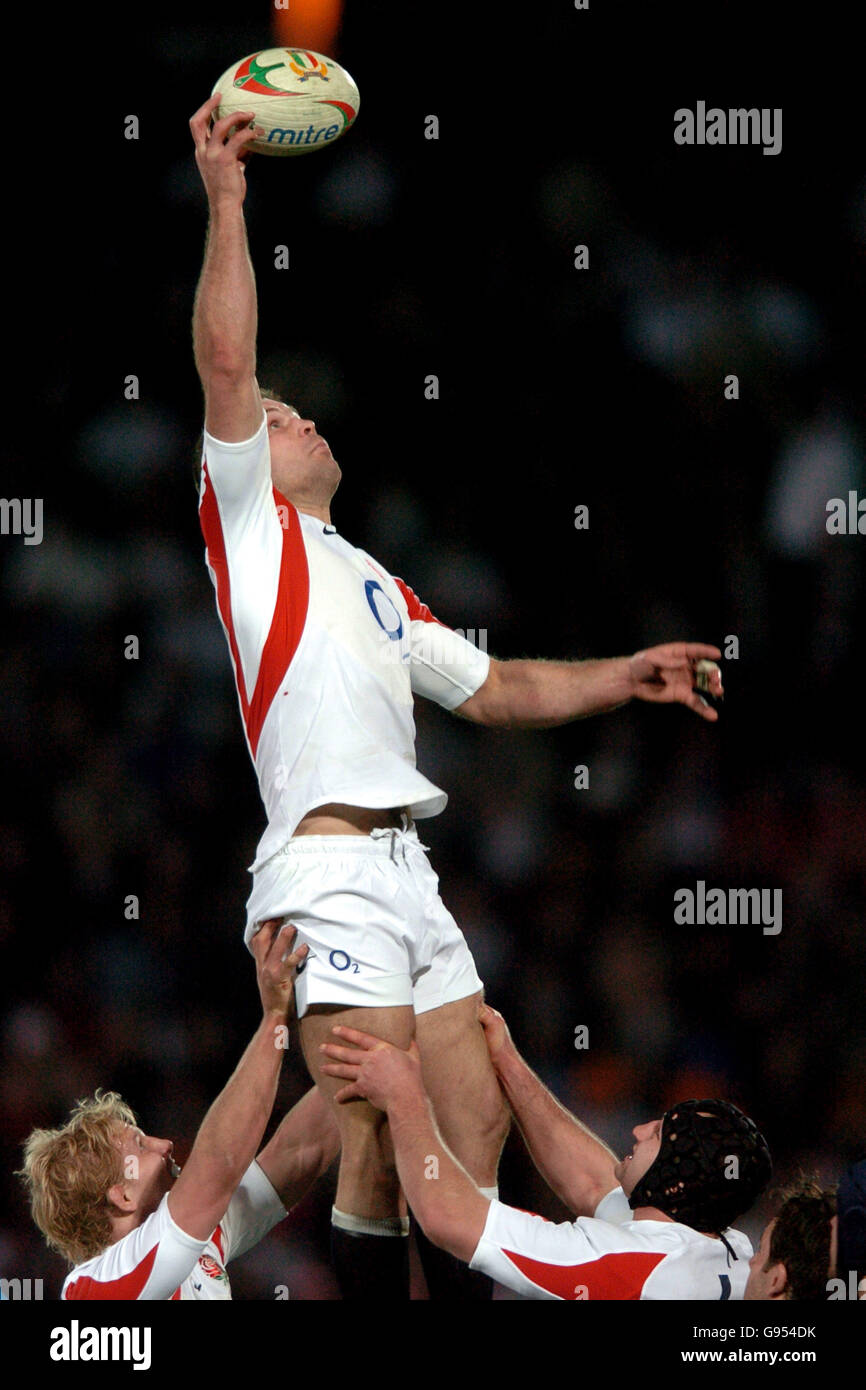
(368, 1185)
(459, 1077)
(393, 1023)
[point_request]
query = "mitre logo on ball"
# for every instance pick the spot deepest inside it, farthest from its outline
(302, 100)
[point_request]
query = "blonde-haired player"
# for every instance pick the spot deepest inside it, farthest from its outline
(112, 1201)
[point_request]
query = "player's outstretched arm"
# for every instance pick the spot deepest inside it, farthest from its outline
(232, 1130)
(572, 1160)
(542, 694)
(225, 314)
(443, 1196)
(303, 1147)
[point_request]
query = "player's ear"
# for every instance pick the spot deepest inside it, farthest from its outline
(777, 1276)
(119, 1198)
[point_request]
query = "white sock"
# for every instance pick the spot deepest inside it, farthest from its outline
(370, 1225)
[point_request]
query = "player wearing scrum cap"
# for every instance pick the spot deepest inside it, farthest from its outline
(113, 1202)
(656, 1225)
(329, 650)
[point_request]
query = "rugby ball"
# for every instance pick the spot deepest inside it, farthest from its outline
(302, 100)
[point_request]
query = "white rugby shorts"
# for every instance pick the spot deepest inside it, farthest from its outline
(368, 907)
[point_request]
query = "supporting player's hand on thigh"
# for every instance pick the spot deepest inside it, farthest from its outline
(376, 1070)
(667, 675)
(496, 1034)
(277, 965)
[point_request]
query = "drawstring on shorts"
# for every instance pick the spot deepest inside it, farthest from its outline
(381, 830)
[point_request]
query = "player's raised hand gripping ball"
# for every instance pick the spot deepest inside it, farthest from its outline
(302, 101)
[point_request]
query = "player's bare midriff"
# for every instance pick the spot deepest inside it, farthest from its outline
(338, 819)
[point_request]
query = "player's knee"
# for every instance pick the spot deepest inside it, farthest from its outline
(484, 1122)
(494, 1120)
(476, 1133)
(368, 1151)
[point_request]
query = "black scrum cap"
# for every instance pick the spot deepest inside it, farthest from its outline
(693, 1178)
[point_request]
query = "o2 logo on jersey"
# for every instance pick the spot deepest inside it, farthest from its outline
(383, 610)
(341, 961)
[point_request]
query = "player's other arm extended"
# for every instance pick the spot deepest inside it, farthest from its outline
(572, 1160)
(232, 1129)
(305, 1144)
(542, 694)
(225, 315)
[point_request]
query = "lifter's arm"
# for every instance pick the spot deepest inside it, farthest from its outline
(305, 1144)
(445, 1200)
(572, 1160)
(232, 1130)
(225, 313)
(542, 694)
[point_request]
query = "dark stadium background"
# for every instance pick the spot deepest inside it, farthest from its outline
(559, 387)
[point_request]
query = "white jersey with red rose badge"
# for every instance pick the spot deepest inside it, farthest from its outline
(610, 1256)
(158, 1261)
(328, 650)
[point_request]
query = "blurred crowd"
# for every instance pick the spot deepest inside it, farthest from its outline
(131, 810)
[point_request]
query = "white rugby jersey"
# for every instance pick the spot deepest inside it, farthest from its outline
(610, 1256)
(159, 1261)
(327, 648)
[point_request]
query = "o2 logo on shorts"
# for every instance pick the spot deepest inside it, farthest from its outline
(383, 610)
(341, 961)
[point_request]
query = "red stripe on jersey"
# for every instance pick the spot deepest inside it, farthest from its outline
(290, 615)
(618, 1276)
(417, 609)
(128, 1286)
(290, 609)
(217, 1239)
(209, 520)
